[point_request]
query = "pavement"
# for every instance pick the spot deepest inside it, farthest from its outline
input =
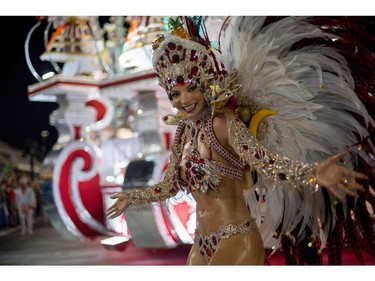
(47, 247)
(7, 230)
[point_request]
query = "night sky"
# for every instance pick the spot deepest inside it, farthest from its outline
(20, 119)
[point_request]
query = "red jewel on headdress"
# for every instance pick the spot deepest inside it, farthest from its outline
(183, 56)
(192, 54)
(180, 80)
(171, 46)
(175, 58)
(194, 71)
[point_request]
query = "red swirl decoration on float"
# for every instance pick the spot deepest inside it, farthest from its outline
(99, 107)
(104, 112)
(77, 193)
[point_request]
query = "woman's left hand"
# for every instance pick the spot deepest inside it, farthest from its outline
(119, 206)
(337, 178)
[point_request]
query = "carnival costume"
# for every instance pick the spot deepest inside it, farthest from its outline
(288, 105)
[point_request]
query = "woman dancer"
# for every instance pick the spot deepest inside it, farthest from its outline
(220, 154)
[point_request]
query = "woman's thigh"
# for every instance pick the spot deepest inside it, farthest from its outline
(240, 249)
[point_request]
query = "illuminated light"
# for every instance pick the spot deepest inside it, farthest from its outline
(140, 111)
(56, 147)
(124, 133)
(110, 178)
(116, 243)
(139, 154)
(309, 245)
(360, 147)
(119, 179)
(44, 133)
(48, 75)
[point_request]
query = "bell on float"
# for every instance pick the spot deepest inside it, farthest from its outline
(74, 37)
(74, 43)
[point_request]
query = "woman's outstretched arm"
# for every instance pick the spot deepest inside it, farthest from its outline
(156, 193)
(327, 173)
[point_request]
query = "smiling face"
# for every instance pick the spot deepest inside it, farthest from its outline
(188, 99)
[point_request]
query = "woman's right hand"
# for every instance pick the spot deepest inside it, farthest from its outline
(119, 206)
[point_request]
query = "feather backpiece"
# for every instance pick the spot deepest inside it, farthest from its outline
(294, 67)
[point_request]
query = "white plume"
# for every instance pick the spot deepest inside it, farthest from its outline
(312, 90)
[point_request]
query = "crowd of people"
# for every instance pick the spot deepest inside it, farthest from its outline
(20, 202)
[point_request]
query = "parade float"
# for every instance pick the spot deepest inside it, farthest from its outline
(110, 131)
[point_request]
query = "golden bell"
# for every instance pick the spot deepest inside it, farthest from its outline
(73, 37)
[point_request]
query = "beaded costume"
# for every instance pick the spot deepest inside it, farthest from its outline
(288, 104)
(208, 244)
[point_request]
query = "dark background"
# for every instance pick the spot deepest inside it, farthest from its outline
(21, 121)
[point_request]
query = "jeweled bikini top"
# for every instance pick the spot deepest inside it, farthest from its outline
(202, 174)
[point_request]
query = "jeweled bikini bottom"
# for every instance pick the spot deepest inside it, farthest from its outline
(208, 244)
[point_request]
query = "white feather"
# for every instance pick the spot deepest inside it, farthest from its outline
(312, 90)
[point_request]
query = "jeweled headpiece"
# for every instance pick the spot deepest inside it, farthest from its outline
(184, 57)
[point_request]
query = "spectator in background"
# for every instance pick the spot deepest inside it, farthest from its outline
(11, 186)
(4, 213)
(26, 204)
(38, 197)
